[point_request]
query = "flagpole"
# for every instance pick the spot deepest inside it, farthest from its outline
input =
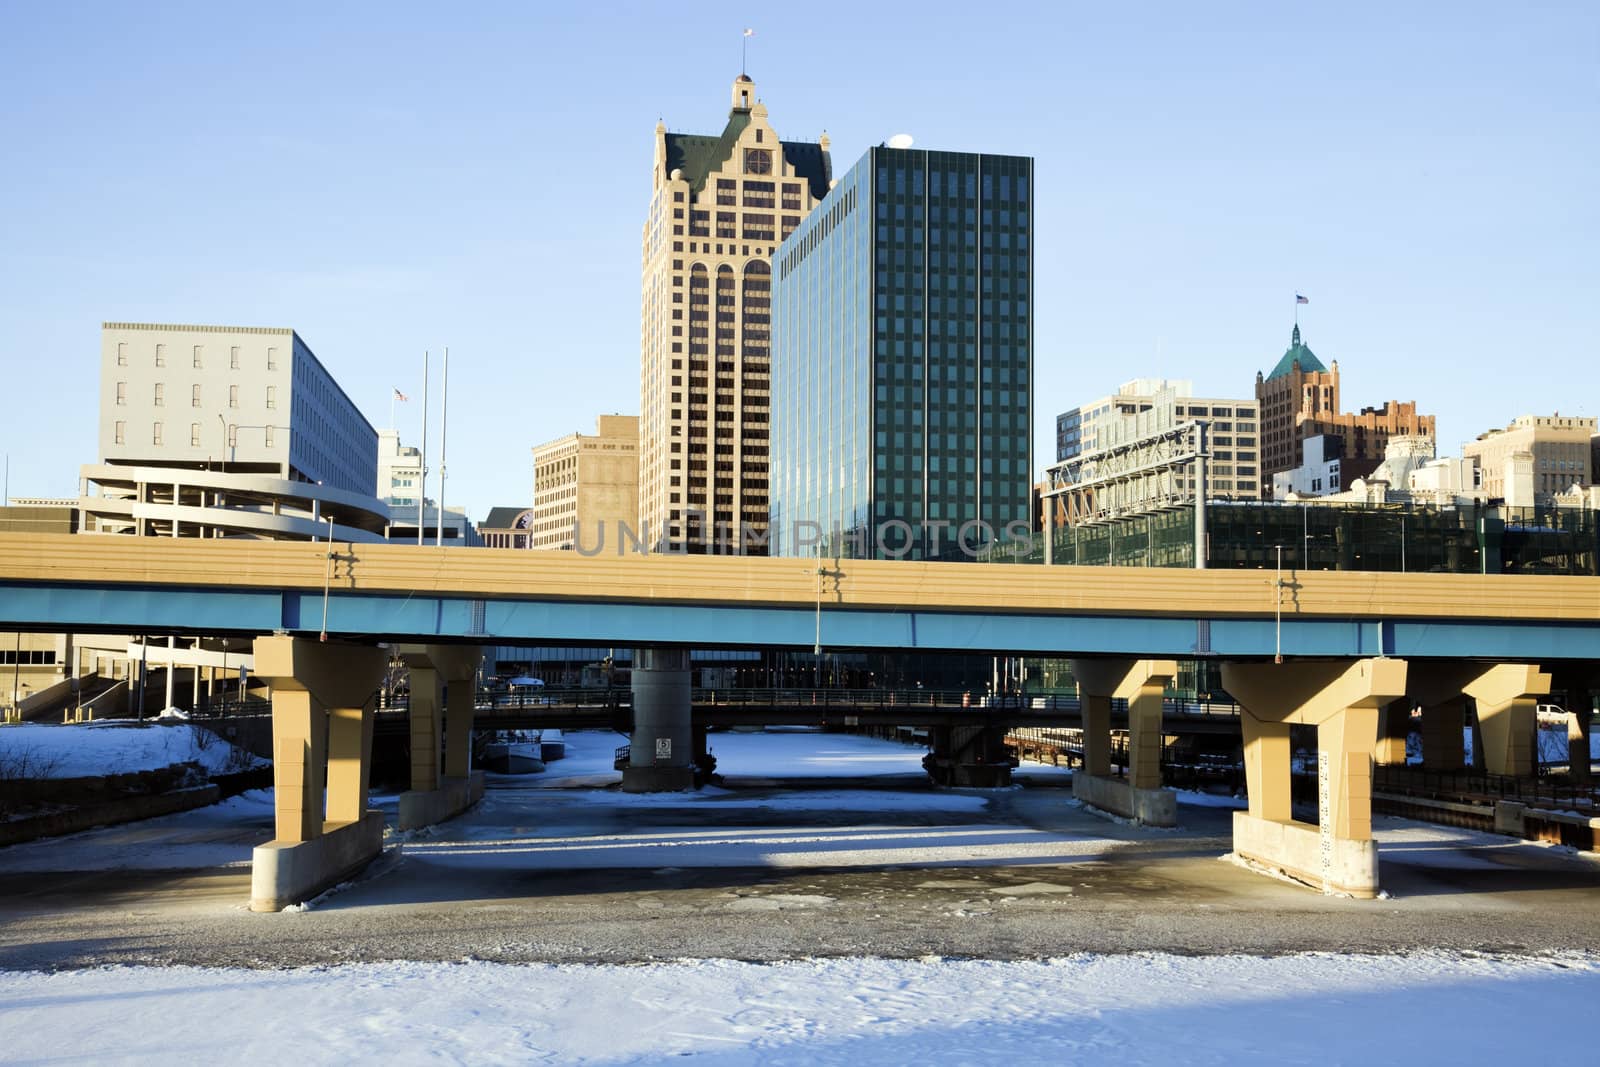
(422, 456)
(444, 427)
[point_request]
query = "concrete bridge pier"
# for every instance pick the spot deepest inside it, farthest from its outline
(1394, 727)
(1578, 683)
(661, 750)
(322, 757)
(1505, 695)
(1141, 683)
(970, 757)
(1444, 725)
(443, 783)
(1343, 701)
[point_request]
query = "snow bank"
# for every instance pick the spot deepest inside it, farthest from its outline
(1426, 1008)
(113, 746)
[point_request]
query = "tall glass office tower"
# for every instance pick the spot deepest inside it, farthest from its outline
(902, 361)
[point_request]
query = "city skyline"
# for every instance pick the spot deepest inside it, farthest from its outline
(1422, 181)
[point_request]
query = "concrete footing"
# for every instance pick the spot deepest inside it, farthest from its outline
(657, 779)
(1149, 807)
(424, 807)
(1306, 854)
(285, 874)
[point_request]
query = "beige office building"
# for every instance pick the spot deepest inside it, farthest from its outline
(719, 206)
(584, 484)
(1559, 445)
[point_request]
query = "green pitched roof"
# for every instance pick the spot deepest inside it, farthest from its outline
(697, 155)
(1297, 353)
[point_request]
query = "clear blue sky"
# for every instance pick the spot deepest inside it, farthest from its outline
(386, 178)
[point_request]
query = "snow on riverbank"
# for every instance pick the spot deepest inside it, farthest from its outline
(1425, 1007)
(117, 746)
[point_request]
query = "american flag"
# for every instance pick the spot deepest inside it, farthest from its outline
(749, 32)
(398, 395)
(1298, 299)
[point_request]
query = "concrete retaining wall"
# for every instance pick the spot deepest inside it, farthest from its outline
(128, 809)
(1556, 827)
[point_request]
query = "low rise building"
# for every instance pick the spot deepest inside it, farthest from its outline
(507, 528)
(1561, 452)
(584, 484)
(226, 431)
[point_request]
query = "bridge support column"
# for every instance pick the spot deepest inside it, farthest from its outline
(425, 716)
(660, 751)
(1578, 684)
(443, 784)
(1342, 700)
(970, 757)
(1394, 727)
(320, 837)
(1141, 683)
(1444, 726)
(1507, 695)
(349, 762)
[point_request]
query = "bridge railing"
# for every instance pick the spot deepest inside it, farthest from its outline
(1544, 790)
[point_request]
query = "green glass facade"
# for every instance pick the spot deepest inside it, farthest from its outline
(903, 359)
(1324, 537)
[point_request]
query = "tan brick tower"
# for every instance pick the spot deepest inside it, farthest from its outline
(719, 206)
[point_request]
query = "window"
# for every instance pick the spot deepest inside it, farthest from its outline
(272, 396)
(122, 393)
(233, 436)
(121, 433)
(161, 355)
(194, 395)
(270, 436)
(272, 359)
(155, 436)
(161, 394)
(198, 352)
(757, 161)
(122, 353)
(233, 357)
(194, 435)
(233, 396)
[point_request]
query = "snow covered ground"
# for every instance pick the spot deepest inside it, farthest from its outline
(117, 746)
(1135, 1008)
(1132, 1009)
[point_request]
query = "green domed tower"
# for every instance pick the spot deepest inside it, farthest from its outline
(1299, 390)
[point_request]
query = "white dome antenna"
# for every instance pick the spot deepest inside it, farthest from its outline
(900, 140)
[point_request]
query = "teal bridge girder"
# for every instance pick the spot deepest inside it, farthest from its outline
(88, 607)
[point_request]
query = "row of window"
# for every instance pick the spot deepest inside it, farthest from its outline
(197, 355)
(28, 657)
(159, 398)
(196, 431)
